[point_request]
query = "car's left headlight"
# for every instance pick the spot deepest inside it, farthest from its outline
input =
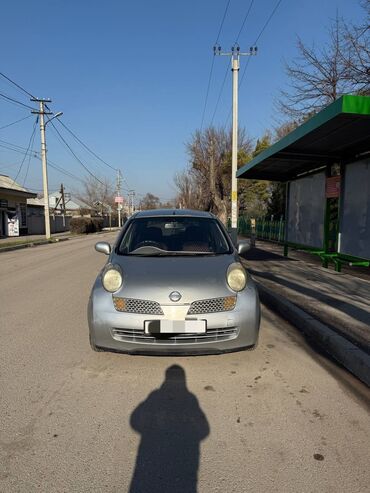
(236, 277)
(112, 278)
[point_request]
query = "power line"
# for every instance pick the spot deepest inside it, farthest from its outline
(255, 43)
(21, 150)
(227, 67)
(85, 146)
(9, 99)
(212, 64)
(30, 154)
(74, 154)
(26, 153)
(244, 21)
(17, 85)
(17, 121)
(260, 34)
(220, 93)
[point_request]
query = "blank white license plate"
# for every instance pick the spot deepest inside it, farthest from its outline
(175, 326)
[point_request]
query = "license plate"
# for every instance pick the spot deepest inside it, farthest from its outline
(175, 326)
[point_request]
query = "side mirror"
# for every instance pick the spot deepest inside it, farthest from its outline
(243, 247)
(103, 247)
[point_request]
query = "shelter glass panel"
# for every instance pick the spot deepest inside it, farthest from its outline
(355, 223)
(306, 211)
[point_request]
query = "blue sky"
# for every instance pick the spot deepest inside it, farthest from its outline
(131, 77)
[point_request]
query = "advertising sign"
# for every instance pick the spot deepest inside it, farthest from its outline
(13, 224)
(332, 187)
(118, 200)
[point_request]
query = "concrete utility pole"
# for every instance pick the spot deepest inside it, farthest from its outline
(235, 54)
(63, 203)
(42, 113)
(131, 201)
(118, 194)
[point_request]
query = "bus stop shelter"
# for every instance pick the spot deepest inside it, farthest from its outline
(326, 165)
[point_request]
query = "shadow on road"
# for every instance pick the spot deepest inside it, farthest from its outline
(262, 255)
(172, 425)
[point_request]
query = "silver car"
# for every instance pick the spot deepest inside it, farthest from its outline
(173, 284)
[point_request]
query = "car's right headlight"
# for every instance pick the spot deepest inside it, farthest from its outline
(236, 277)
(112, 278)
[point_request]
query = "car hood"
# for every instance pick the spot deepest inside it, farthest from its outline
(154, 278)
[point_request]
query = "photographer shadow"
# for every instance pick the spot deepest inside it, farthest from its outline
(172, 425)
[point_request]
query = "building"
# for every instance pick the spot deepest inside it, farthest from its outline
(73, 205)
(13, 207)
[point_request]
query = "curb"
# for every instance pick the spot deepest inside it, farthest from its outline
(31, 244)
(343, 351)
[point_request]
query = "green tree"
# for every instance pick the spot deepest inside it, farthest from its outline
(254, 194)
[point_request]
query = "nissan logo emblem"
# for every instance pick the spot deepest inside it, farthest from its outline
(175, 296)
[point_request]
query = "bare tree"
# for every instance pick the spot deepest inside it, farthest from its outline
(189, 192)
(318, 76)
(356, 53)
(150, 201)
(209, 176)
(95, 191)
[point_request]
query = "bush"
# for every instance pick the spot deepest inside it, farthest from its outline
(85, 225)
(97, 223)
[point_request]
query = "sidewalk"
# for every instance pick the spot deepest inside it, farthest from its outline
(314, 296)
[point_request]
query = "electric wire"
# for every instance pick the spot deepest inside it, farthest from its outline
(17, 121)
(85, 146)
(74, 154)
(30, 154)
(26, 153)
(21, 150)
(17, 85)
(259, 36)
(227, 67)
(15, 101)
(244, 21)
(255, 43)
(212, 64)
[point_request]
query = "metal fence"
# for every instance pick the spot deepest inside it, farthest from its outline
(264, 229)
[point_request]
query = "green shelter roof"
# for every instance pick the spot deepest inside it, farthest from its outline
(337, 133)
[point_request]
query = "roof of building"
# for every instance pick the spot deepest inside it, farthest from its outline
(8, 184)
(337, 133)
(36, 202)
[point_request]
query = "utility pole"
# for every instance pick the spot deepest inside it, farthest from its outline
(131, 203)
(63, 203)
(235, 55)
(42, 113)
(118, 194)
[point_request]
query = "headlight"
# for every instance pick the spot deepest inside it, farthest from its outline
(112, 279)
(236, 277)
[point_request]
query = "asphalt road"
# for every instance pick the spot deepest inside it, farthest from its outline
(281, 418)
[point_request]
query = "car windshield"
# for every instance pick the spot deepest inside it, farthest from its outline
(164, 236)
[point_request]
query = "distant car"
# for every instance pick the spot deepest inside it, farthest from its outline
(173, 284)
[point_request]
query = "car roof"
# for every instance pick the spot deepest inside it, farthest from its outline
(173, 212)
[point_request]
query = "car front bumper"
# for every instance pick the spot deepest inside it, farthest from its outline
(124, 332)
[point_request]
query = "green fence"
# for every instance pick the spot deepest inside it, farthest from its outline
(264, 230)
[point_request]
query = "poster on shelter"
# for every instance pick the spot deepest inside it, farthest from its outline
(355, 218)
(13, 224)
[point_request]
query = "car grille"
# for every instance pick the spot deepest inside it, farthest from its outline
(139, 336)
(144, 307)
(212, 305)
